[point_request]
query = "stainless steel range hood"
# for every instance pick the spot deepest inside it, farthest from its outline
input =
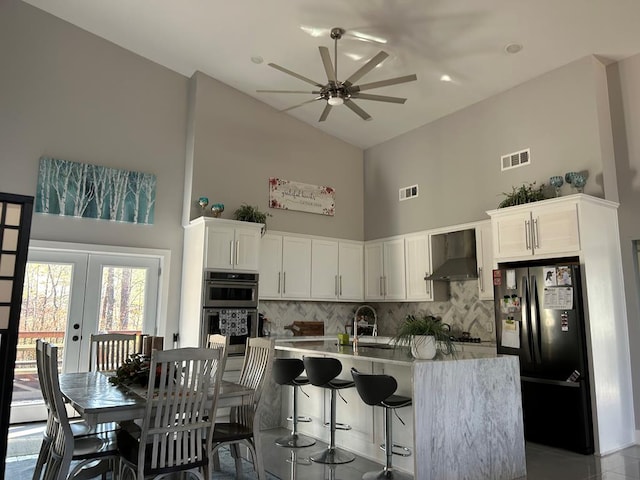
(458, 250)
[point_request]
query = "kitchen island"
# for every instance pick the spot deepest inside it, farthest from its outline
(466, 418)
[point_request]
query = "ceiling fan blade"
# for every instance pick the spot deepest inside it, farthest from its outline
(384, 83)
(317, 92)
(379, 98)
(325, 113)
(328, 66)
(301, 104)
(366, 68)
(294, 74)
(360, 112)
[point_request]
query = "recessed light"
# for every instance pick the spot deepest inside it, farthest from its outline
(257, 59)
(513, 48)
(445, 78)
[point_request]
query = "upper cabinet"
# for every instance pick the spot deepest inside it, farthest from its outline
(336, 270)
(543, 229)
(226, 244)
(384, 270)
(417, 254)
(484, 257)
(285, 267)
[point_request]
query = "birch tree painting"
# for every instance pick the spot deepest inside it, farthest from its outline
(91, 191)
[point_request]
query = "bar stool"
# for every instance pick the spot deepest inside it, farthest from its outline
(322, 372)
(378, 390)
(286, 371)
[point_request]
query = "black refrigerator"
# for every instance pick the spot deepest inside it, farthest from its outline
(540, 318)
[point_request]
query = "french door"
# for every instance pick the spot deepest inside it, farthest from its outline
(67, 296)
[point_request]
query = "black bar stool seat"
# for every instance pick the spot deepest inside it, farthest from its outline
(286, 371)
(378, 390)
(322, 372)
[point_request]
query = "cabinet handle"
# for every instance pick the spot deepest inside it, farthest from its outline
(536, 243)
(380, 285)
(384, 286)
(527, 234)
(231, 252)
(284, 283)
(427, 283)
(335, 285)
(480, 279)
(340, 285)
(237, 251)
(279, 281)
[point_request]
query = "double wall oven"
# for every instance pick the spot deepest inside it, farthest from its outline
(230, 308)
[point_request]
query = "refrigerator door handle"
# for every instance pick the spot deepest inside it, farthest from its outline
(526, 318)
(560, 383)
(535, 320)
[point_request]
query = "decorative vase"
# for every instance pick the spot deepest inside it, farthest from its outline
(423, 347)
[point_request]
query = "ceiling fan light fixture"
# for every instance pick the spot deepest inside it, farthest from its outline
(335, 100)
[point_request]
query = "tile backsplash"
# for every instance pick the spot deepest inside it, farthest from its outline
(463, 311)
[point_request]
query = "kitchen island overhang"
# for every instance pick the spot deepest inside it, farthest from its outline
(466, 414)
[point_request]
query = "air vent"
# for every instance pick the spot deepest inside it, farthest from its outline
(408, 192)
(516, 159)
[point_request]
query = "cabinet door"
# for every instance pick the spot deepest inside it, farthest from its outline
(324, 269)
(484, 256)
(555, 229)
(350, 271)
(247, 249)
(270, 266)
(373, 271)
(219, 246)
(418, 266)
(394, 276)
(296, 267)
(513, 235)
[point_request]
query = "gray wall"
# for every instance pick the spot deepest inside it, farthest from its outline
(456, 160)
(624, 81)
(71, 95)
(239, 142)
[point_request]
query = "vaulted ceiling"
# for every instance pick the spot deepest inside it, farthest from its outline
(234, 41)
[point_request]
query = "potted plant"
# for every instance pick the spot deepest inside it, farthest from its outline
(527, 193)
(425, 334)
(249, 213)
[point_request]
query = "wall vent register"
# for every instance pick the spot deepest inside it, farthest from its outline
(405, 193)
(515, 159)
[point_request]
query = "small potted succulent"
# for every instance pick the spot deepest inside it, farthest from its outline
(425, 334)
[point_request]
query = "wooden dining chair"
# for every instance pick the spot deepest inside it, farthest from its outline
(243, 426)
(109, 350)
(215, 340)
(177, 428)
(92, 454)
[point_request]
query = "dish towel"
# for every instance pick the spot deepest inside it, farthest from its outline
(233, 322)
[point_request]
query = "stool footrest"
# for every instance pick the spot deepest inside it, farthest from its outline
(301, 418)
(399, 450)
(339, 426)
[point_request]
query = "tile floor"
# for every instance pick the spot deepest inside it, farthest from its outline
(543, 463)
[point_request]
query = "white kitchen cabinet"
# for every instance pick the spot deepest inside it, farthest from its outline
(285, 267)
(232, 245)
(336, 270)
(543, 229)
(417, 254)
(384, 270)
(484, 258)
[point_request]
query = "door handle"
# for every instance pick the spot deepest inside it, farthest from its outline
(480, 280)
(426, 282)
(384, 285)
(231, 252)
(536, 240)
(279, 281)
(380, 285)
(527, 234)
(284, 283)
(237, 251)
(335, 285)
(340, 285)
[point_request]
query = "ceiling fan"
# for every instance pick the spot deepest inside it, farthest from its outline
(335, 92)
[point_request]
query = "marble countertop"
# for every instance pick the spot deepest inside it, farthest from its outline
(374, 351)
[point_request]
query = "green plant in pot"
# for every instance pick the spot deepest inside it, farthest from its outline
(425, 334)
(249, 213)
(527, 193)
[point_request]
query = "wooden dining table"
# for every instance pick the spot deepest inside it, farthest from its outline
(99, 401)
